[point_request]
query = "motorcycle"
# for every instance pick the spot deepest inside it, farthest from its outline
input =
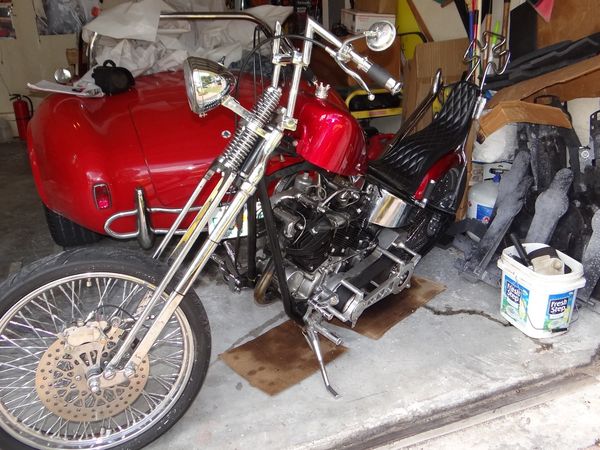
(100, 346)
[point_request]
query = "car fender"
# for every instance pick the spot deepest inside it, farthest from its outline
(78, 147)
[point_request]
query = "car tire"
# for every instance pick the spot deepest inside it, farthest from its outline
(67, 233)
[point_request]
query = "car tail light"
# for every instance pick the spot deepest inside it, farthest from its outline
(102, 196)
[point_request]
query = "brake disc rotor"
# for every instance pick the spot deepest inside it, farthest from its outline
(61, 383)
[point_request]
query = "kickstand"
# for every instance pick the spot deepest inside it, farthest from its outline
(312, 338)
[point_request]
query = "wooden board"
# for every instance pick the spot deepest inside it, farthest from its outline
(571, 20)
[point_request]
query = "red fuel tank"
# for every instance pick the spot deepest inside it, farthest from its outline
(328, 136)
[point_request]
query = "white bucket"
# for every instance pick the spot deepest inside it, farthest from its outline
(539, 305)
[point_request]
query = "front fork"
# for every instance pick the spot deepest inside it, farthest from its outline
(112, 376)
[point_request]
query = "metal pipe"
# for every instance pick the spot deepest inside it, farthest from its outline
(264, 27)
(251, 272)
(219, 16)
(276, 48)
(186, 209)
(145, 236)
(217, 194)
(202, 218)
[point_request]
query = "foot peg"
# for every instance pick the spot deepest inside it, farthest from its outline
(311, 333)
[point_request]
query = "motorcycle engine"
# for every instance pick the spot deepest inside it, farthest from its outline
(323, 221)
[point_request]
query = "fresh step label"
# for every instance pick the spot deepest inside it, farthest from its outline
(515, 299)
(559, 310)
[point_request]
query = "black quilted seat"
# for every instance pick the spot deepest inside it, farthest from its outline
(405, 162)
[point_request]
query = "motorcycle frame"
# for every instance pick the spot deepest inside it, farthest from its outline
(250, 177)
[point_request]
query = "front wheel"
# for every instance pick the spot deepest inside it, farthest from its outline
(95, 294)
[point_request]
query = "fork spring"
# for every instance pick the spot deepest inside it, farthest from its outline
(245, 139)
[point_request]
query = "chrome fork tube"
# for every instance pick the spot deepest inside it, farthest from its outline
(203, 215)
(276, 47)
(247, 189)
(206, 212)
(184, 212)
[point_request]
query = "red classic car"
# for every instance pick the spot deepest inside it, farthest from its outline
(120, 164)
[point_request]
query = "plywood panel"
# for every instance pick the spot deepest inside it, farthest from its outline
(571, 20)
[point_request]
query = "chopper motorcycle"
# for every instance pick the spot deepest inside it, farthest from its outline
(107, 348)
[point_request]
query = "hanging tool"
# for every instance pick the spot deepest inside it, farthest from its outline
(505, 21)
(520, 250)
(487, 13)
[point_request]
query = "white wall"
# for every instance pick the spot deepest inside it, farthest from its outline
(29, 57)
(445, 23)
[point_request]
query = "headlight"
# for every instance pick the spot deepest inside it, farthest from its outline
(207, 83)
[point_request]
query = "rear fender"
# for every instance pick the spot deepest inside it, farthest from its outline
(436, 172)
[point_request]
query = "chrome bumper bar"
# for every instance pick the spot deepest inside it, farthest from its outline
(145, 232)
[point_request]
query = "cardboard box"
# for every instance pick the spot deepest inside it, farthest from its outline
(506, 112)
(326, 69)
(578, 80)
(358, 21)
(516, 111)
(446, 55)
(571, 20)
(376, 6)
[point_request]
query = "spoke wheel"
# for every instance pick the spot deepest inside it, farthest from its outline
(61, 322)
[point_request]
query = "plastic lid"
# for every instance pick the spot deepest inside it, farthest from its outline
(497, 178)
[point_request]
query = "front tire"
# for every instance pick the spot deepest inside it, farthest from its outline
(43, 401)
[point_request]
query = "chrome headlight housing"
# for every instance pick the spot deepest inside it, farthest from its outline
(207, 84)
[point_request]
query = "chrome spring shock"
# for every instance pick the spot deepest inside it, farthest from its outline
(245, 137)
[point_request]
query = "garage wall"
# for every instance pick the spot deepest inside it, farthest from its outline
(29, 57)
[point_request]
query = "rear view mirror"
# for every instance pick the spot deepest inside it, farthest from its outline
(63, 76)
(380, 36)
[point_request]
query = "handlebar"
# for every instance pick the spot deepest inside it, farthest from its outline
(382, 77)
(374, 71)
(343, 52)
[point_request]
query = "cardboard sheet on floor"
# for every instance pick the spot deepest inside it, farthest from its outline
(381, 317)
(278, 359)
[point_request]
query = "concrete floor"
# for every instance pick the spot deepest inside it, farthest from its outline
(23, 235)
(453, 374)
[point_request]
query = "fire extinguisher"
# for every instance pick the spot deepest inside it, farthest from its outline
(23, 112)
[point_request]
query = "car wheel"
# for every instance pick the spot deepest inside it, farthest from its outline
(67, 233)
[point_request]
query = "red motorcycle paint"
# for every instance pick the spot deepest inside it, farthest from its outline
(437, 171)
(23, 111)
(329, 137)
(377, 145)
